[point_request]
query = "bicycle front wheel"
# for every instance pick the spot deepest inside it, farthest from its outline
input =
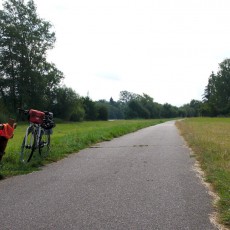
(28, 146)
(44, 143)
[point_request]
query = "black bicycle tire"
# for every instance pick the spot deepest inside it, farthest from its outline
(47, 144)
(32, 150)
(31, 132)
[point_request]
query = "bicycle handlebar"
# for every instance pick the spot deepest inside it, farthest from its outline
(23, 110)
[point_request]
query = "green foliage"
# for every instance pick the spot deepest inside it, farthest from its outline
(217, 92)
(135, 106)
(169, 111)
(143, 106)
(78, 113)
(90, 109)
(135, 109)
(126, 96)
(27, 80)
(67, 104)
(3, 112)
(153, 108)
(194, 109)
(115, 109)
(102, 112)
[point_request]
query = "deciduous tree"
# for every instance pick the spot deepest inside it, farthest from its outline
(217, 92)
(25, 75)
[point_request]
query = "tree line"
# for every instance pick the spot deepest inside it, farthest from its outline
(28, 80)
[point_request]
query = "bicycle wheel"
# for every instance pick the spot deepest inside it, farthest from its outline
(28, 146)
(44, 143)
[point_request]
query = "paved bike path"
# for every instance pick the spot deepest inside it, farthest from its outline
(143, 180)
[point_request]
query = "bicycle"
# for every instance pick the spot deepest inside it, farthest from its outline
(37, 134)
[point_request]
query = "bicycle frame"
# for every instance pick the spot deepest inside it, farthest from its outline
(38, 129)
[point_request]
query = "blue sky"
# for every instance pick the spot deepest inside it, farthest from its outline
(166, 49)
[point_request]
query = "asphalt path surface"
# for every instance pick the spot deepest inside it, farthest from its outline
(143, 180)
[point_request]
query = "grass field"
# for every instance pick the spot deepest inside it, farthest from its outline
(209, 139)
(66, 139)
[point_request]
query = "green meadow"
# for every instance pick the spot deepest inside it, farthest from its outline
(209, 139)
(67, 138)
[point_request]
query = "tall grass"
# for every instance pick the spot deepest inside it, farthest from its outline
(66, 139)
(210, 140)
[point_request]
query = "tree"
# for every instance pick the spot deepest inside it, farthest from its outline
(25, 76)
(210, 95)
(169, 111)
(187, 111)
(192, 109)
(115, 109)
(150, 105)
(217, 92)
(90, 109)
(196, 106)
(102, 112)
(68, 105)
(126, 96)
(137, 110)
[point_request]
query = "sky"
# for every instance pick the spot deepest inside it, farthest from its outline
(164, 48)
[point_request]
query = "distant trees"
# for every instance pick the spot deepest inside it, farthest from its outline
(169, 111)
(139, 106)
(115, 109)
(134, 106)
(216, 101)
(192, 109)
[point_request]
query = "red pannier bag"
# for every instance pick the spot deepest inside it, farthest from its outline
(36, 116)
(6, 131)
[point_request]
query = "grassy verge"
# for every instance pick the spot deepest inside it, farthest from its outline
(66, 139)
(210, 140)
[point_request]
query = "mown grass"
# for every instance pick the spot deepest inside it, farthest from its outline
(209, 139)
(66, 139)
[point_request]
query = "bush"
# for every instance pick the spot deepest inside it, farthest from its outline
(4, 114)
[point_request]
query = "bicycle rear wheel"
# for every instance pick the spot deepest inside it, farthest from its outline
(28, 146)
(44, 143)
